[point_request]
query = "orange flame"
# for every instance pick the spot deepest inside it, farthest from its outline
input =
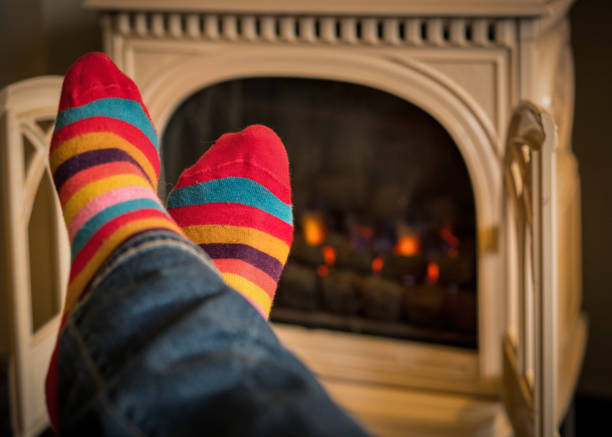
(407, 245)
(377, 264)
(322, 270)
(433, 272)
(329, 255)
(314, 231)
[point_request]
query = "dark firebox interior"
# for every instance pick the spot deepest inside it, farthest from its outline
(384, 210)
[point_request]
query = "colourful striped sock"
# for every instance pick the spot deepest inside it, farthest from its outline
(105, 166)
(235, 203)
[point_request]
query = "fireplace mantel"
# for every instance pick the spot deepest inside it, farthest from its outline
(381, 8)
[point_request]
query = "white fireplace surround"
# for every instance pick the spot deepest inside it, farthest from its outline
(468, 63)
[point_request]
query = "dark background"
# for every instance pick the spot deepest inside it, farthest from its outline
(40, 37)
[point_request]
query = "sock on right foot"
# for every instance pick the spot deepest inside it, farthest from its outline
(235, 203)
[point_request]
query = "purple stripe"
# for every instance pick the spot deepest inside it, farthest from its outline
(85, 160)
(256, 258)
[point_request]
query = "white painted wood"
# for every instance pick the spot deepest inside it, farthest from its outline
(530, 170)
(21, 105)
(397, 412)
(413, 31)
(182, 69)
(211, 27)
(193, 26)
(466, 68)
(288, 29)
(515, 8)
(391, 31)
(387, 362)
(175, 27)
(348, 30)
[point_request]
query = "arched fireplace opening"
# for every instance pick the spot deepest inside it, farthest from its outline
(383, 205)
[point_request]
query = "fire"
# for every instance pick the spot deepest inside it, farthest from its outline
(313, 228)
(433, 272)
(407, 245)
(451, 239)
(377, 264)
(322, 270)
(329, 255)
(365, 232)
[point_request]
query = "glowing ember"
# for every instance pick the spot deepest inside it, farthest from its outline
(314, 231)
(433, 272)
(322, 270)
(329, 255)
(377, 264)
(365, 232)
(408, 245)
(451, 239)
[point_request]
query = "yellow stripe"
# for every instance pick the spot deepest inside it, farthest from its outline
(262, 241)
(96, 141)
(250, 290)
(80, 281)
(97, 188)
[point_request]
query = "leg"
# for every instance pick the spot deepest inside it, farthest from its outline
(162, 346)
(153, 340)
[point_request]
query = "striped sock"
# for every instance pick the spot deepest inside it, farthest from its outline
(235, 203)
(105, 166)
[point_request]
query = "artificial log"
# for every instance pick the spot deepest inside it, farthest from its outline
(425, 306)
(305, 253)
(340, 293)
(381, 299)
(458, 270)
(397, 267)
(298, 289)
(351, 259)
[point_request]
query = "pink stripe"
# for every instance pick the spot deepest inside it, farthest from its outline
(247, 271)
(105, 200)
(87, 176)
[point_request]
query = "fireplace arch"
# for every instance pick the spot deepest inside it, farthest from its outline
(167, 83)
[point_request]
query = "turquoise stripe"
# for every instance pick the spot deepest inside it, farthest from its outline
(100, 219)
(231, 190)
(126, 110)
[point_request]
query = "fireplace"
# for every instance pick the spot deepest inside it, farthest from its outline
(393, 292)
(435, 275)
(384, 211)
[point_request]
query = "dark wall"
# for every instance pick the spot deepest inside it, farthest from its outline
(45, 36)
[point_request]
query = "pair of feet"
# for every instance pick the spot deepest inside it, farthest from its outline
(235, 202)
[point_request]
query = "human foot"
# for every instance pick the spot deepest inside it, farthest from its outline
(235, 203)
(105, 166)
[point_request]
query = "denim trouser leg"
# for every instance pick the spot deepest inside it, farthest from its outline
(161, 346)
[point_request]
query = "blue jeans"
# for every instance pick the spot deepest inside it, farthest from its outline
(161, 346)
